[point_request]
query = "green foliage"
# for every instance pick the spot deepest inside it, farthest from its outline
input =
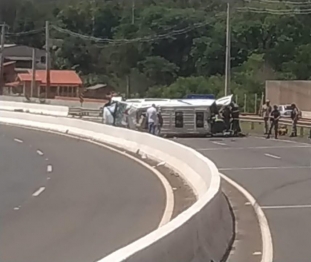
(264, 46)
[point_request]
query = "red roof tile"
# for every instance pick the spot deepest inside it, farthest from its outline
(57, 77)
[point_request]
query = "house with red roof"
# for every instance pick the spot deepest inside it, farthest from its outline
(8, 75)
(62, 83)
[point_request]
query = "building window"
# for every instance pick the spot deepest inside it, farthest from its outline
(199, 119)
(179, 119)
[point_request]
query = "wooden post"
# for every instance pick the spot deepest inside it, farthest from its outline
(255, 103)
(33, 80)
(48, 65)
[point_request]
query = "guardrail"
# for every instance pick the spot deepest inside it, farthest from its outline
(203, 232)
(34, 108)
(303, 125)
(81, 112)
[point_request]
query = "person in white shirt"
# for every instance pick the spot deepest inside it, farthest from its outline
(152, 117)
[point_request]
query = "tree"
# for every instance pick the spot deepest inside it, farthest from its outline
(174, 47)
(159, 70)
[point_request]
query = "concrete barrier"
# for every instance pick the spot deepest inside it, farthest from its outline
(306, 114)
(201, 233)
(55, 102)
(34, 108)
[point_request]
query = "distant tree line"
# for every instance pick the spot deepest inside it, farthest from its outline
(168, 48)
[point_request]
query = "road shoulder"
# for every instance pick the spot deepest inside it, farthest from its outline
(247, 245)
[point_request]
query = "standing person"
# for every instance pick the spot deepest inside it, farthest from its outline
(160, 122)
(226, 114)
(265, 113)
(274, 119)
(235, 113)
(294, 115)
(152, 117)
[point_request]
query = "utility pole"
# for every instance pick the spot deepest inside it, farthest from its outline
(133, 12)
(228, 53)
(128, 86)
(33, 81)
(47, 49)
(2, 57)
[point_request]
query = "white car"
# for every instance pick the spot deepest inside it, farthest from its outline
(285, 110)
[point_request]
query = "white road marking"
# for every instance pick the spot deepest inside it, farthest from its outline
(219, 143)
(263, 168)
(38, 192)
(17, 208)
(257, 253)
(18, 140)
(283, 140)
(254, 147)
(247, 203)
(49, 168)
(286, 207)
(273, 156)
(48, 178)
(40, 153)
(169, 208)
(266, 238)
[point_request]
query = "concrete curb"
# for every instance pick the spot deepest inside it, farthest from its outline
(267, 246)
(203, 232)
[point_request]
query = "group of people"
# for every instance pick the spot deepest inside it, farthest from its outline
(230, 115)
(271, 117)
(153, 120)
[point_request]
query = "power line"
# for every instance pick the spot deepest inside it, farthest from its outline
(274, 11)
(280, 2)
(31, 32)
(140, 39)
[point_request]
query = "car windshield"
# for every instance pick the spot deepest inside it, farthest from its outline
(288, 108)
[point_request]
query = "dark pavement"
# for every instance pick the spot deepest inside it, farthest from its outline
(278, 174)
(71, 201)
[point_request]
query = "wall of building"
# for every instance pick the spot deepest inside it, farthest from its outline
(8, 76)
(23, 56)
(287, 92)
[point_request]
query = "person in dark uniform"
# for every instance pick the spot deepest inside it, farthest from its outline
(213, 114)
(235, 114)
(274, 121)
(294, 115)
(160, 122)
(226, 115)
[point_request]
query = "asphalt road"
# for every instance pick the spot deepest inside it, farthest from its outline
(278, 174)
(66, 200)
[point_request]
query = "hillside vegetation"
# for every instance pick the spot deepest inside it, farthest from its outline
(168, 48)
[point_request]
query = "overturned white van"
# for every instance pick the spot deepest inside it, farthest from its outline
(180, 116)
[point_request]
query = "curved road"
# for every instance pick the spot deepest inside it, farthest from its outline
(66, 200)
(278, 174)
